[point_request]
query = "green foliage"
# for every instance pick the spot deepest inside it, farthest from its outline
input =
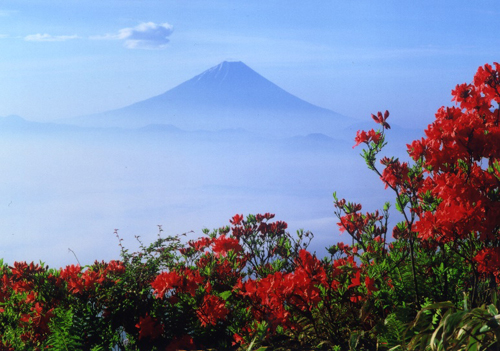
(65, 333)
(393, 330)
(455, 329)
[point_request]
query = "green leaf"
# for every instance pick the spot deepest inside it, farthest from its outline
(401, 202)
(225, 295)
(484, 329)
(354, 340)
(493, 310)
(452, 322)
(437, 305)
(493, 322)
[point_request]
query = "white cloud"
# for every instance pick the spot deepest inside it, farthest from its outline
(48, 37)
(146, 35)
(104, 37)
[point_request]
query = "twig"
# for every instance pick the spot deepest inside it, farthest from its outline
(74, 255)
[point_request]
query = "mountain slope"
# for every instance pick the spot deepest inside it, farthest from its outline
(229, 95)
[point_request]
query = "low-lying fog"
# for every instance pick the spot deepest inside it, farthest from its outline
(71, 190)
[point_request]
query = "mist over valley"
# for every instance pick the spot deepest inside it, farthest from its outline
(227, 141)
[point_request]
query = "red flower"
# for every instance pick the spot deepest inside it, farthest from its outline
(236, 219)
(115, 267)
(148, 327)
(192, 279)
(164, 282)
(70, 272)
(200, 244)
(381, 119)
(356, 281)
(395, 174)
(370, 285)
(91, 278)
(364, 137)
(416, 149)
(185, 342)
(223, 245)
(488, 260)
(238, 339)
(71, 275)
(356, 298)
(212, 310)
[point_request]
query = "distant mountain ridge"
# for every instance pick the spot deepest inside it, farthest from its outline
(229, 95)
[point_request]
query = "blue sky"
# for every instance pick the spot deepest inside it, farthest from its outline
(65, 58)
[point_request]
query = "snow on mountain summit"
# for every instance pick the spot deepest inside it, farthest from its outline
(229, 95)
(221, 71)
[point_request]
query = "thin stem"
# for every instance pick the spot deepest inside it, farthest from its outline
(74, 255)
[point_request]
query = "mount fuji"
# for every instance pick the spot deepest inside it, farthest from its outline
(228, 96)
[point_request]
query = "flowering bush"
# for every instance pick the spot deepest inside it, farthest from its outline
(254, 285)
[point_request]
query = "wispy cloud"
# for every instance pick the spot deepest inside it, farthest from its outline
(48, 37)
(146, 35)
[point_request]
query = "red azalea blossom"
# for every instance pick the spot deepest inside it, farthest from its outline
(381, 119)
(395, 174)
(165, 282)
(238, 339)
(356, 281)
(367, 137)
(356, 298)
(149, 328)
(200, 244)
(223, 245)
(416, 149)
(115, 267)
(236, 220)
(212, 310)
(488, 260)
(190, 282)
(370, 285)
(185, 342)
